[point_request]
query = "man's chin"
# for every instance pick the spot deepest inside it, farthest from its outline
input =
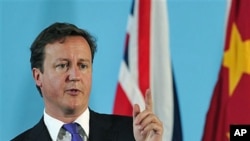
(70, 111)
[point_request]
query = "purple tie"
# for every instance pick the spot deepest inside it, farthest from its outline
(72, 129)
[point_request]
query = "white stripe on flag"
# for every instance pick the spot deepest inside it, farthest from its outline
(133, 45)
(130, 87)
(161, 72)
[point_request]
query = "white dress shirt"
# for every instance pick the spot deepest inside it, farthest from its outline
(54, 125)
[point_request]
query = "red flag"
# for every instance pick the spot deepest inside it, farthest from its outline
(147, 64)
(230, 102)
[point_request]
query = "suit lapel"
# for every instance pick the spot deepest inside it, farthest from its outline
(40, 132)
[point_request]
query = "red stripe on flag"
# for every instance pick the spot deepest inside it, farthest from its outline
(144, 44)
(122, 105)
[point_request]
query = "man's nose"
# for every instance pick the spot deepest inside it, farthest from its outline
(74, 73)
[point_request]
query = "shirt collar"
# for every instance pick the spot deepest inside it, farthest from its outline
(54, 125)
(83, 120)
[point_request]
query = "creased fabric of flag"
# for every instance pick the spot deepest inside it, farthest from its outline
(230, 102)
(147, 64)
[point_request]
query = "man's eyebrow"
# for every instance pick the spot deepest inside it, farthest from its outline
(68, 60)
(84, 60)
(62, 59)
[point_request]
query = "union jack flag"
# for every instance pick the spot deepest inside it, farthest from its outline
(146, 64)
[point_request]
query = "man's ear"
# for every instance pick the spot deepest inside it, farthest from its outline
(37, 75)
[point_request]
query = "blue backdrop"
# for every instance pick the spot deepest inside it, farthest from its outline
(197, 30)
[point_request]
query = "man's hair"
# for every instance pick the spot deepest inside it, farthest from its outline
(53, 33)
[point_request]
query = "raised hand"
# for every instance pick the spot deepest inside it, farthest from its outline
(146, 125)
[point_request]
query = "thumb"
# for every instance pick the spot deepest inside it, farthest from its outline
(136, 110)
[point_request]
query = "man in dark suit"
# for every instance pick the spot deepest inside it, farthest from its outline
(61, 61)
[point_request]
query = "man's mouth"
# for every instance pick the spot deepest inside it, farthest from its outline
(73, 92)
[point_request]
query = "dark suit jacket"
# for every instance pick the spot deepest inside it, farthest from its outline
(102, 127)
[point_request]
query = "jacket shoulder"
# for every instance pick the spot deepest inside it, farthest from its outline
(113, 127)
(23, 136)
(38, 132)
(114, 120)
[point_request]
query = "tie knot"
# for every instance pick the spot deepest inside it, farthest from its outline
(71, 128)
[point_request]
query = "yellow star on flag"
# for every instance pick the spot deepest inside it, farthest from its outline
(237, 58)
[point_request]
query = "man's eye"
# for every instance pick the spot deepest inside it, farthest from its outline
(62, 66)
(83, 66)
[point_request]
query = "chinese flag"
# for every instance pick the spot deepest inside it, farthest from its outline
(230, 103)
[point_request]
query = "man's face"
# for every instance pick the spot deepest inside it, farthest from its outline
(67, 77)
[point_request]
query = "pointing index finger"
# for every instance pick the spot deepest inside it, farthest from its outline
(148, 100)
